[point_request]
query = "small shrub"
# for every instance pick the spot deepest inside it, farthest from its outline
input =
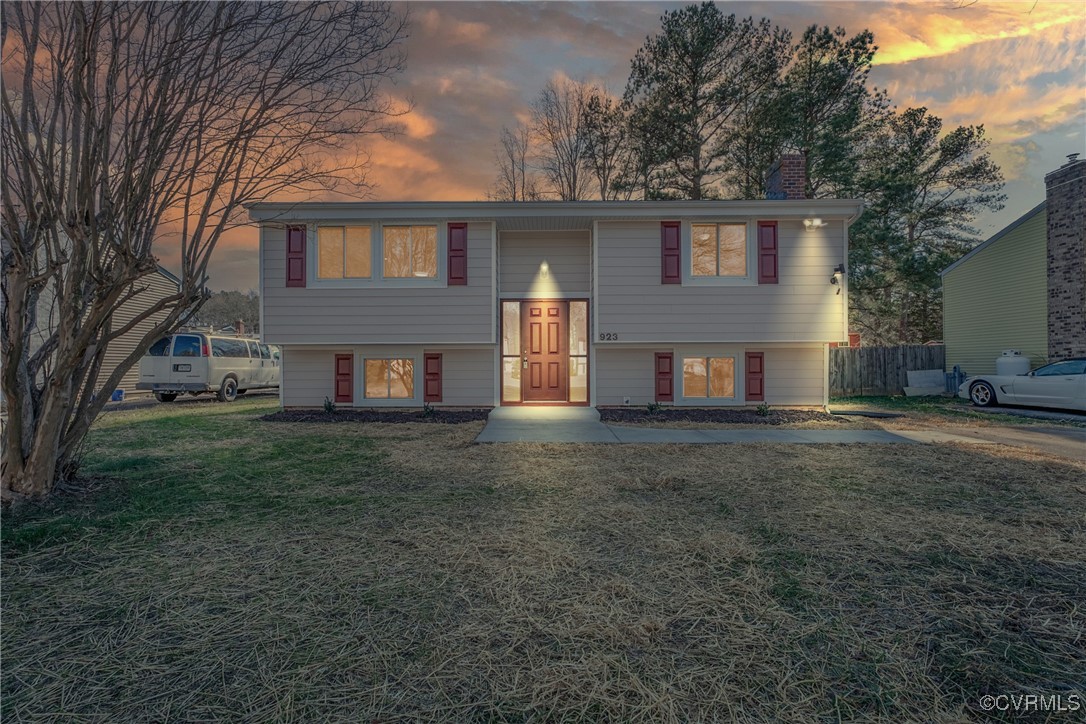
(653, 408)
(427, 409)
(329, 406)
(763, 410)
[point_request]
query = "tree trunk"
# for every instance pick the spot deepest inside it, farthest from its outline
(32, 473)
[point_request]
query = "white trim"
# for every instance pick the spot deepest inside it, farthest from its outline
(493, 281)
(505, 296)
(738, 382)
(492, 210)
(825, 375)
(593, 318)
(260, 281)
(844, 285)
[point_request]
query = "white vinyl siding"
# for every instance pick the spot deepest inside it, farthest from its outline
(795, 376)
(467, 375)
(377, 311)
(542, 264)
(157, 286)
(634, 306)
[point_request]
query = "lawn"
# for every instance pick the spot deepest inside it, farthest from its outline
(221, 567)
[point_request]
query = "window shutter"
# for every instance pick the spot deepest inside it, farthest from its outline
(295, 256)
(665, 377)
(344, 376)
(458, 254)
(767, 252)
(670, 253)
(431, 378)
(755, 374)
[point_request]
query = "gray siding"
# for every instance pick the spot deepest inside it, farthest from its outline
(567, 254)
(379, 313)
(793, 376)
(467, 375)
(633, 304)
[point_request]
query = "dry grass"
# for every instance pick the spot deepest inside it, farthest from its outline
(398, 572)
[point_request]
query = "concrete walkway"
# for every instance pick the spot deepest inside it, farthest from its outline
(582, 425)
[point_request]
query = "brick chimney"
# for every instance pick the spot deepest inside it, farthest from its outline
(1065, 207)
(786, 178)
(239, 327)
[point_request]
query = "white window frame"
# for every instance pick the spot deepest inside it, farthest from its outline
(353, 281)
(687, 235)
(441, 280)
(377, 279)
(739, 387)
(360, 396)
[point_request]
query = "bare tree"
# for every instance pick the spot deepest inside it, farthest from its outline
(607, 143)
(129, 125)
(558, 116)
(516, 179)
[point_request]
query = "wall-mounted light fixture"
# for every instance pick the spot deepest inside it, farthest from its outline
(838, 273)
(815, 223)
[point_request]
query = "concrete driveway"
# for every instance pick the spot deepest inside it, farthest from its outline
(1068, 442)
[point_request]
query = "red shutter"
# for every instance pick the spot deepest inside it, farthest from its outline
(295, 256)
(344, 378)
(767, 252)
(431, 378)
(755, 377)
(670, 253)
(458, 254)
(665, 377)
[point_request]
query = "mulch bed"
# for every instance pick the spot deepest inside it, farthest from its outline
(445, 417)
(739, 417)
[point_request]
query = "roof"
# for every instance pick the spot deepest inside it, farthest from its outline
(998, 235)
(169, 275)
(577, 212)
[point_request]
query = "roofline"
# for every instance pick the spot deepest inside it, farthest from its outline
(169, 275)
(849, 209)
(998, 235)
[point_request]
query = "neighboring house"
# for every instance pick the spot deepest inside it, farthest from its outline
(1024, 287)
(580, 303)
(155, 286)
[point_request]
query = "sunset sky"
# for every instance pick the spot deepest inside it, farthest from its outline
(1019, 68)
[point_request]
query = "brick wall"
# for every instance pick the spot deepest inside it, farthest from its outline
(787, 177)
(1066, 211)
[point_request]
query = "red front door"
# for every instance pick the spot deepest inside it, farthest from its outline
(545, 359)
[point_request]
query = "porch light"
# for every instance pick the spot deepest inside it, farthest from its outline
(814, 223)
(838, 273)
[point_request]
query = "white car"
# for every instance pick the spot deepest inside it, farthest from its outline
(1060, 384)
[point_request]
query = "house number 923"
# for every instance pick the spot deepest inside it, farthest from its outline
(608, 336)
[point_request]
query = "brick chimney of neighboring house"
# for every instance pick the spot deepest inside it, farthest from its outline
(1065, 208)
(239, 327)
(786, 178)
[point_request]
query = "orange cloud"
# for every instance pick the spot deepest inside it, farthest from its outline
(904, 34)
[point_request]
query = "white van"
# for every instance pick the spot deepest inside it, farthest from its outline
(199, 362)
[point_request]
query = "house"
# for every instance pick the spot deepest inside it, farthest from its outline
(148, 291)
(1024, 287)
(699, 303)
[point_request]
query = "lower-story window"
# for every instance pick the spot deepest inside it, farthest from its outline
(390, 379)
(709, 377)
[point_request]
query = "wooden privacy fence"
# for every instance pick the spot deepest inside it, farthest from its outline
(880, 370)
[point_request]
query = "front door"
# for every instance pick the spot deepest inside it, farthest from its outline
(545, 359)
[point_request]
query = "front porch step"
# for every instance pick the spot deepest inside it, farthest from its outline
(546, 413)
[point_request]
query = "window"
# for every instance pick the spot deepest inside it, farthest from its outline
(410, 252)
(718, 250)
(161, 348)
(343, 252)
(390, 379)
(185, 345)
(1060, 369)
(578, 351)
(709, 377)
(511, 359)
(222, 347)
(265, 353)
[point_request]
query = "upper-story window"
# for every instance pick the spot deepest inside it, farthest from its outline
(718, 250)
(410, 252)
(343, 252)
